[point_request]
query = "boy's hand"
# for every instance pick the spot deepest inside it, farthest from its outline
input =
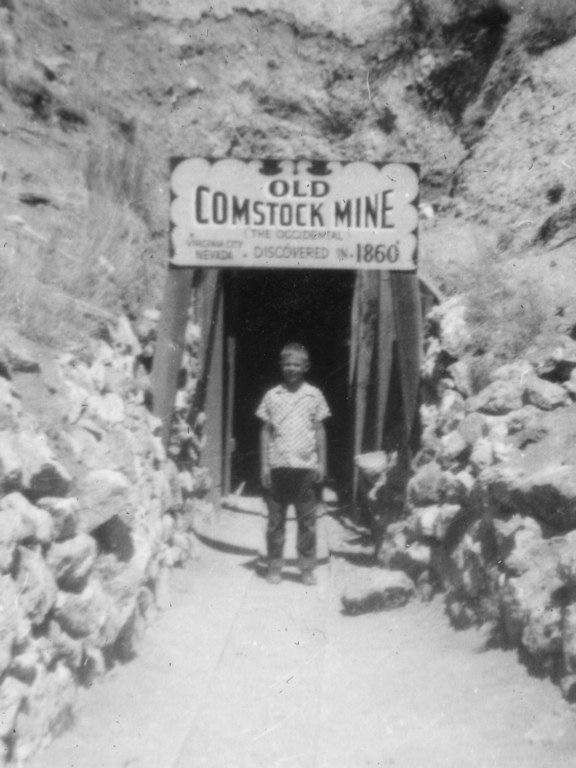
(320, 474)
(265, 478)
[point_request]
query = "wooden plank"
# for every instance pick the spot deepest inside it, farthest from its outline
(170, 345)
(386, 335)
(367, 296)
(206, 295)
(229, 415)
(209, 396)
(354, 332)
(214, 404)
(408, 321)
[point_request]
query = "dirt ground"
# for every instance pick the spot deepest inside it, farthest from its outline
(241, 673)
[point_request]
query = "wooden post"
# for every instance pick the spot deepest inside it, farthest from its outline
(386, 336)
(229, 444)
(365, 331)
(408, 317)
(170, 345)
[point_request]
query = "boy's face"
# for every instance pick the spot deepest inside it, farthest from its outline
(294, 367)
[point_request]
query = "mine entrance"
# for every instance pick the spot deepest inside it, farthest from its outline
(265, 309)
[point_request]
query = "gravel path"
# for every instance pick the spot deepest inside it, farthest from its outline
(240, 673)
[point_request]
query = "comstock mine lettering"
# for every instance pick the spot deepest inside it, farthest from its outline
(220, 208)
(370, 212)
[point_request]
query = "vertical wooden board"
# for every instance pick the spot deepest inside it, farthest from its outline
(213, 451)
(386, 336)
(367, 311)
(206, 299)
(354, 332)
(170, 345)
(408, 321)
(210, 389)
(229, 414)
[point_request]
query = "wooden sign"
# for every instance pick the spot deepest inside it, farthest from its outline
(294, 214)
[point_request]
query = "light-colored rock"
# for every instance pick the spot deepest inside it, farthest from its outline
(42, 522)
(435, 521)
(527, 418)
(108, 408)
(20, 353)
(64, 514)
(10, 405)
(460, 373)
(72, 560)
(557, 359)
(453, 447)
(567, 564)
(458, 486)
(48, 712)
(503, 451)
(451, 410)
(12, 625)
(129, 640)
(36, 585)
(532, 614)
(516, 538)
(517, 372)
(377, 590)
(427, 485)
(12, 694)
(104, 493)
(124, 338)
(147, 325)
(12, 530)
(10, 463)
(498, 431)
(83, 614)
(455, 336)
(25, 662)
(470, 577)
(429, 415)
(472, 427)
(569, 639)
(77, 400)
(482, 455)
(64, 647)
(372, 465)
(122, 584)
(545, 394)
(33, 523)
(570, 385)
(42, 475)
(429, 367)
(499, 397)
(413, 559)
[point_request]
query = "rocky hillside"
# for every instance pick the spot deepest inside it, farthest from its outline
(93, 515)
(489, 513)
(94, 100)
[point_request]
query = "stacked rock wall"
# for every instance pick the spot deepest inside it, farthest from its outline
(490, 515)
(92, 517)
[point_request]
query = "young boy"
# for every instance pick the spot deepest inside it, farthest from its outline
(293, 460)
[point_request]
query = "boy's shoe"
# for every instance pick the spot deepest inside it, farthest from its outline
(309, 578)
(273, 576)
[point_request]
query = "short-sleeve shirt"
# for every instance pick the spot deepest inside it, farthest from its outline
(293, 417)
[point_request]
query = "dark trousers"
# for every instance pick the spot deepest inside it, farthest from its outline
(297, 487)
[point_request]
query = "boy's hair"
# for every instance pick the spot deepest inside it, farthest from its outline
(294, 349)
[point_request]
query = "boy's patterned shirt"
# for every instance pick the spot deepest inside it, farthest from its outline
(293, 417)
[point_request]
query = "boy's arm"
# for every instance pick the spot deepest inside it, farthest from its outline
(321, 447)
(265, 455)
